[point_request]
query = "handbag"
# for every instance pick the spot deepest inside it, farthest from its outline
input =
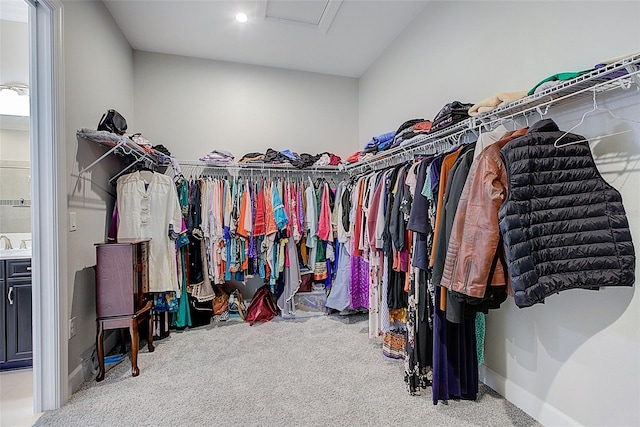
(200, 312)
(262, 308)
(236, 304)
(113, 122)
(220, 302)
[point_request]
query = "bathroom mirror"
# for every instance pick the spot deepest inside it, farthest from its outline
(15, 152)
(15, 175)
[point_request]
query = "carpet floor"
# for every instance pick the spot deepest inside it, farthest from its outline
(322, 371)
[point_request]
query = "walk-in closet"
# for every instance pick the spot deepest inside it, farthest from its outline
(334, 212)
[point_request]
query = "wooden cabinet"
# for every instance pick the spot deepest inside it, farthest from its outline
(122, 277)
(15, 314)
(122, 281)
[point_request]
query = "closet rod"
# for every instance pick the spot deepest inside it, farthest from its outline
(444, 143)
(452, 131)
(259, 167)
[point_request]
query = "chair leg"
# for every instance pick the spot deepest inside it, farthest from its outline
(150, 333)
(133, 328)
(123, 342)
(100, 347)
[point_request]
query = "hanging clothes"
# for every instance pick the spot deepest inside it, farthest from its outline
(148, 207)
(338, 298)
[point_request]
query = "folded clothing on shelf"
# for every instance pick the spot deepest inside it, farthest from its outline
(449, 115)
(500, 100)
(559, 77)
(162, 149)
(380, 142)
(305, 160)
(252, 158)
(217, 156)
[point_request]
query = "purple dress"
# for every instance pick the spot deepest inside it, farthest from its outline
(359, 286)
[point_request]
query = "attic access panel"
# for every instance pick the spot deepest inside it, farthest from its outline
(312, 13)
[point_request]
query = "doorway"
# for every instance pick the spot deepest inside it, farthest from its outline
(48, 207)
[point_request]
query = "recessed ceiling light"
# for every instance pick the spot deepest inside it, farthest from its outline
(241, 17)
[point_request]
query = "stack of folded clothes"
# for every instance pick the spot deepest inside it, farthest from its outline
(404, 129)
(327, 159)
(305, 160)
(449, 115)
(500, 100)
(413, 134)
(162, 149)
(142, 142)
(354, 157)
(558, 78)
(218, 157)
(252, 158)
(300, 161)
(275, 157)
(379, 143)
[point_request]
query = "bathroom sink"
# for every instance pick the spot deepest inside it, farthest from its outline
(15, 253)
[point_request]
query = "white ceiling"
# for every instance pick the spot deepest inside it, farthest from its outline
(341, 37)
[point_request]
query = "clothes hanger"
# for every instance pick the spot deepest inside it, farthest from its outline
(546, 110)
(596, 107)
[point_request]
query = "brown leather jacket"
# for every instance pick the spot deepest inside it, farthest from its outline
(474, 258)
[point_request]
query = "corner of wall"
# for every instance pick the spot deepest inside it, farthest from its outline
(77, 376)
(540, 410)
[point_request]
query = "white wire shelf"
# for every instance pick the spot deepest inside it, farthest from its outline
(123, 146)
(564, 92)
(581, 87)
(445, 136)
(573, 89)
(199, 168)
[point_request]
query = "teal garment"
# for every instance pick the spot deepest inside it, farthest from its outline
(182, 186)
(559, 77)
(230, 250)
(182, 318)
(480, 331)
(426, 188)
(278, 209)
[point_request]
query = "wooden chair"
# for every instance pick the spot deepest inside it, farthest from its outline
(131, 322)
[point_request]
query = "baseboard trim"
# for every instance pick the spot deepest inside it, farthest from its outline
(544, 413)
(76, 377)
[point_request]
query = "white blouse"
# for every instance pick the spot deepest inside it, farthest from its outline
(148, 212)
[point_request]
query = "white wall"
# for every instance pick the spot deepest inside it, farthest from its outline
(14, 45)
(98, 75)
(575, 359)
(248, 108)
(14, 145)
(469, 51)
(193, 106)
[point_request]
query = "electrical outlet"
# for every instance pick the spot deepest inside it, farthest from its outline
(72, 327)
(73, 225)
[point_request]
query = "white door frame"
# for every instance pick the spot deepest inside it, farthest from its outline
(49, 206)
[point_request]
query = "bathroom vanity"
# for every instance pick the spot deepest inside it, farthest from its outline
(15, 309)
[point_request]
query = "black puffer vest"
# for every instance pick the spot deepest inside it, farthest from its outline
(563, 225)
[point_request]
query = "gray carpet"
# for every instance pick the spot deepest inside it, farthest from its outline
(320, 371)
